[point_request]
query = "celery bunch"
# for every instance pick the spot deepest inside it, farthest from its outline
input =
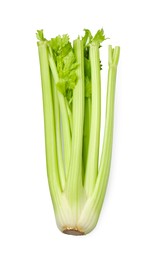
(71, 88)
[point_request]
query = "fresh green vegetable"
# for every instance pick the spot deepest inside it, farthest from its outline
(71, 88)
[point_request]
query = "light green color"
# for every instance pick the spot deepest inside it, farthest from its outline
(71, 89)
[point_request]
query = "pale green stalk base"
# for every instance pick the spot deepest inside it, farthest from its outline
(77, 201)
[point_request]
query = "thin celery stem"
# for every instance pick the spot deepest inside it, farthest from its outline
(93, 150)
(69, 116)
(64, 118)
(74, 181)
(58, 134)
(86, 132)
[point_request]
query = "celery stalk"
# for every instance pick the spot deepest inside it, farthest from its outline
(50, 140)
(93, 150)
(71, 90)
(64, 116)
(74, 180)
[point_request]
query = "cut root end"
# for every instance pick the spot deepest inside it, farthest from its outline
(73, 232)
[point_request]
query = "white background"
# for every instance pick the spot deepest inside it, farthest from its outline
(127, 228)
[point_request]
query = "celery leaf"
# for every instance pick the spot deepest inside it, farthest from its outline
(40, 35)
(62, 51)
(99, 37)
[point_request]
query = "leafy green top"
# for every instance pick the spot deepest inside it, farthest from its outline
(99, 37)
(62, 51)
(40, 35)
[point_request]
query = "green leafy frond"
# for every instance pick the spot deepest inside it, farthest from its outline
(40, 35)
(59, 42)
(62, 51)
(99, 37)
(87, 37)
